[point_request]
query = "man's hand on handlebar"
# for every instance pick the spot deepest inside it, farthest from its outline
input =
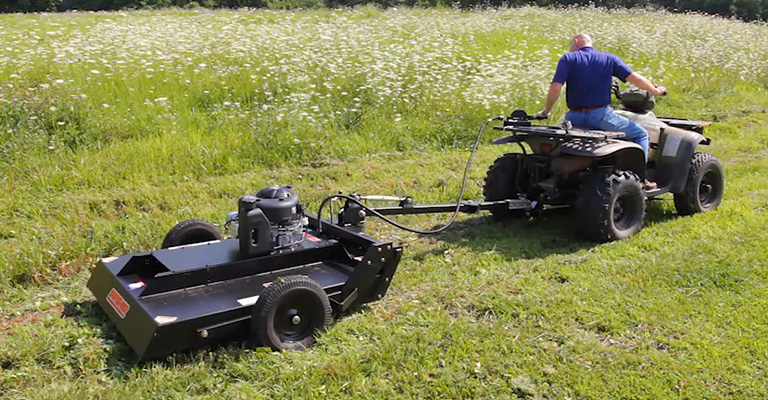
(662, 91)
(543, 114)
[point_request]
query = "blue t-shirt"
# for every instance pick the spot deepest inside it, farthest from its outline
(588, 75)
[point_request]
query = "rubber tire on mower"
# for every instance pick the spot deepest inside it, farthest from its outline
(191, 231)
(289, 312)
(704, 187)
(611, 206)
(501, 184)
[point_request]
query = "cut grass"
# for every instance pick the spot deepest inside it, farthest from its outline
(521, 309)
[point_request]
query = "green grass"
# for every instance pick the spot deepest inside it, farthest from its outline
(95, 164)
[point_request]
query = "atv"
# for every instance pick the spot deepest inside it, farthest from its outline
(600, 175)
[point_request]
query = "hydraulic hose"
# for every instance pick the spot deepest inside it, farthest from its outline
(406, 228)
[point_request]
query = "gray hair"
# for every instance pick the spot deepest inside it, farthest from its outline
(581, 40)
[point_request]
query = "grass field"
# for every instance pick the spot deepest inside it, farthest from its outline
(115, 126)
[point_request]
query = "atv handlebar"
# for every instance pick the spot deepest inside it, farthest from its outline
(616, 89)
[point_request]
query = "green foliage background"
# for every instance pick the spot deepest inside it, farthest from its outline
(749, 10)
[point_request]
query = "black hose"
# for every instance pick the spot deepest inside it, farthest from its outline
(403, 227)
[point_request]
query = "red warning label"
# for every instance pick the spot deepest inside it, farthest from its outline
(312, 238)
(118, 303)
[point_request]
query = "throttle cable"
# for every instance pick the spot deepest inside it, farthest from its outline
(406, 228)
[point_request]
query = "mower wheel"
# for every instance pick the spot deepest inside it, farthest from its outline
(502, 182)
(191, 231)
(703, 188)
(289, 312)
(611, 206)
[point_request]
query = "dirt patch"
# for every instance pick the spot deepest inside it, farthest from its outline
(54, 273)
(8, 322)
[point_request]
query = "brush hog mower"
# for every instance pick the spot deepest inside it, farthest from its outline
(277, 281)
(284, 272)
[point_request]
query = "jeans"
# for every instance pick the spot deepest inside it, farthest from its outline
(607, 120)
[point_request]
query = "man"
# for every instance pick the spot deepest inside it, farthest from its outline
(588, 74)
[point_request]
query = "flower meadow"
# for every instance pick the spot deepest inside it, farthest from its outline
(284, 86)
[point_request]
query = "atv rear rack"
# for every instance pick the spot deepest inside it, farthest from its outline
(553, 132)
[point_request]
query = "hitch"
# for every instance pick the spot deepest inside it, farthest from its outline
(352, 215)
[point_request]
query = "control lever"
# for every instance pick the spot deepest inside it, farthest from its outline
(567, 125)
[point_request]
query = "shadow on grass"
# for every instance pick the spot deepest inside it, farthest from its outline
(555, 232)
(655, 212)
(520, 238)
(121, 358)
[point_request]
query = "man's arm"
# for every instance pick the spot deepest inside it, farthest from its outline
(643, 83)
(552, 96)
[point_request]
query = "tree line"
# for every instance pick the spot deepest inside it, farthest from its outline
(748, 10)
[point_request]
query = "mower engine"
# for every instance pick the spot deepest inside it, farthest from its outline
(271, 219)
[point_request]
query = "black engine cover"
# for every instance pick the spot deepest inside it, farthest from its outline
(268, 220)
(279, 204)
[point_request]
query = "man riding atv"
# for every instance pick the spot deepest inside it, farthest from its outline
(589, 74)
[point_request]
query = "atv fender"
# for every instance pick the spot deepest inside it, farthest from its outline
(674, 149)
(627, 155)
(673, 157)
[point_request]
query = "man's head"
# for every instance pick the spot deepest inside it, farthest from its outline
(580, 40)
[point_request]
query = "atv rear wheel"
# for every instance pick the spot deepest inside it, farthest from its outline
(289, 313)
(191, 231)
(505, 180)
(611, 206)
(704, 187)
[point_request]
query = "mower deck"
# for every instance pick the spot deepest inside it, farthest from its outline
(184, 297)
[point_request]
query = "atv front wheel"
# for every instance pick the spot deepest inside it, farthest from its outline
(703, 188)
(504, 180)
(611, 206)
(191, 231)
(289, 313)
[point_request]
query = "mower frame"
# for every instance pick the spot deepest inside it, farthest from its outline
(180, 298)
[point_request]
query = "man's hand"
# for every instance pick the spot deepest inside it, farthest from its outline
(552, 94)
(643, 83)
